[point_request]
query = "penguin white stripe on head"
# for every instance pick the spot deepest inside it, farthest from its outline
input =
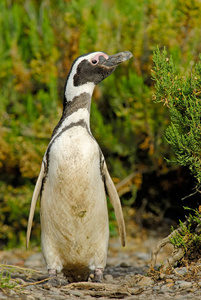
(74, 179)
(73, 90)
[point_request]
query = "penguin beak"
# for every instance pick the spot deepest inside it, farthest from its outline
(114, 60)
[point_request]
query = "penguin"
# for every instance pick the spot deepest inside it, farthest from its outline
(74, 180)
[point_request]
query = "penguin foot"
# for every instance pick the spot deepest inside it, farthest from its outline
(98, 275)
(52, 272)
(53, 281)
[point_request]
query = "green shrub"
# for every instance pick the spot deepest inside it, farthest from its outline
(181, 95)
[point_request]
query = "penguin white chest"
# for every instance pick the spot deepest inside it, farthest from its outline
(74, 217)
(74, 163)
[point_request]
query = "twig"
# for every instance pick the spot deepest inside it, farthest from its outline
(33, 283)
(174, 258)
(161, 244)
(4, 266)
(192, 194)
(170, 265)
(124, 185)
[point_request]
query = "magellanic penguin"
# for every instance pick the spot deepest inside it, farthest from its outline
(74, 180)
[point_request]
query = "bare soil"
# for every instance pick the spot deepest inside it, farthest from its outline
(127, 274)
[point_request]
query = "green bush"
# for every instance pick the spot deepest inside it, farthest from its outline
(181, 95)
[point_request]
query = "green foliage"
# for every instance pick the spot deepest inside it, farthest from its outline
(188, 237)
(181, 94)
(5, 281)
(38, 42)
(14, 209)
(7, 275)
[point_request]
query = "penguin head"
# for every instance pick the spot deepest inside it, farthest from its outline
(95, 67)
(90, 69)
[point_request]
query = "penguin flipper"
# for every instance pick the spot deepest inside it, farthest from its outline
(114, 198)
(34, 199)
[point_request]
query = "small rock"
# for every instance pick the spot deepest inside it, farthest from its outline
(181, 271)
(157, 266)
(146, 281)
(164, 289)
(124, 264)
(76, 293)
(54, 291)
(169, 280)
(162, 276)
(108, 277)
(199, 283)
(30, 287)
(11, 292)
(3, 296)
(178, 282)
(20, 281)
(47, 286)
(29, 297)
(156, 288)
(185, 285)
(183, 297)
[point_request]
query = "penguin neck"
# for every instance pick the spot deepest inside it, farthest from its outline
(78, 109)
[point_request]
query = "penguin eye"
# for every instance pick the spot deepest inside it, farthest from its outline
(94, 61)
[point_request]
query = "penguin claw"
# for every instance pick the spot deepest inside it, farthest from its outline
(98, 275)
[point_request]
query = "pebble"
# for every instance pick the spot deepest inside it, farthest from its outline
(168, 280)
(29, 297)
(199, 283)
(162, 276)
(2, 296)
(181, 271)
(167, 288)
(128, 275)
(185, 285)
(20, 281)
(76, 293)
(124, 264)
(108, 277)
(146, 281)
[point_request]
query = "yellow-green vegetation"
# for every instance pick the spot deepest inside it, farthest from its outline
(186, 241)
(38, 42)
(182, 97)
(5, 281)
(8, 274)
(188, 236)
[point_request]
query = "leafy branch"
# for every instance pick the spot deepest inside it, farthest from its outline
(182, 96)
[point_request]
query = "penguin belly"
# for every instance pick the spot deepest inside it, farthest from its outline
(74, 216)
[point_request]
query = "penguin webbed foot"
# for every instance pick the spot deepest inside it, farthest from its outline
(98, 275)
(53, 280)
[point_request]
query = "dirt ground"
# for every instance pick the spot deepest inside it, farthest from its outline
(125, 277)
